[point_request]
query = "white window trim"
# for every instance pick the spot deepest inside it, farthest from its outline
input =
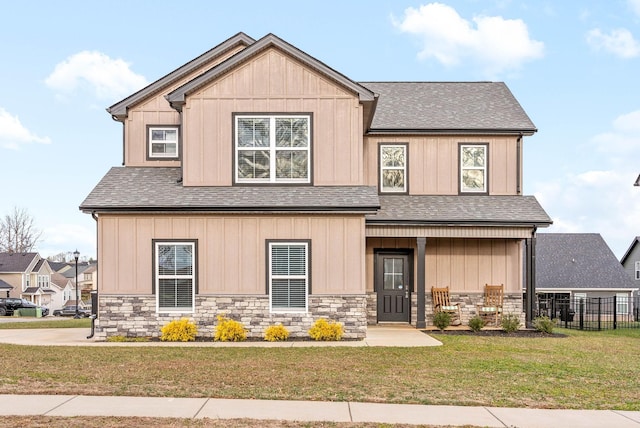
(158, 277)
(272, 149)
(622, 301)
(637, 271)
(485, 147)
(150, 142)
(305, 277)
(402, 168)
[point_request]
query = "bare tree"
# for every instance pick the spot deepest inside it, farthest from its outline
(17, 232)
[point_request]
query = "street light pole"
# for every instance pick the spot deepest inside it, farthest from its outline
(76, 254)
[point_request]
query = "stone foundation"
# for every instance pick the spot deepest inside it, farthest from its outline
(512, 304)
(135, 316)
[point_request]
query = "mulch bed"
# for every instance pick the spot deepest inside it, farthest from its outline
(495, 333)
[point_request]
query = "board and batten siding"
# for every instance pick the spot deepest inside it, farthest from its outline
(231, 251)
(464, 265)
(272, 82)
(156, 110)
(434, 162)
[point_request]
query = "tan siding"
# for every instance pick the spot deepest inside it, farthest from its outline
(156, 111)
(231, 251)
(272, 83)
(433, 163)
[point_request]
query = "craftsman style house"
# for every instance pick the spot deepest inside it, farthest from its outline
(259, 183)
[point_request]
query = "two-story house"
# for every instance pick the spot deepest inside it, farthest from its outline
(260, 183)
(28, 276)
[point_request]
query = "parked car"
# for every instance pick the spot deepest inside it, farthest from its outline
(70, 311)
(11, 304)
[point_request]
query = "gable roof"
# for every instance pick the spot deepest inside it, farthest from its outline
(16, 262)
(158, 189)
(631, 247)
(5, 285)
(177, 97)
(119, 109)
(578, 261)
(513, 210)
(452, 107)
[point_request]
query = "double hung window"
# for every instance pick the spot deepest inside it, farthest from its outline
(288, 276)
(473, 168)
(393, 168)
(272, 148)
(162, 142)
(637, 271)
(175, 275)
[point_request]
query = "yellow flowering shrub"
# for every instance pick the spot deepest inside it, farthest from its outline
(229, 330)
(326, 330)
(182, 330)
(275, 333)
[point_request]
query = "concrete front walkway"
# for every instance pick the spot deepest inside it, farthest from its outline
(198, 408)
(380, 335)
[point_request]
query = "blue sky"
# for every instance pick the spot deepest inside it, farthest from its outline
(573, 66)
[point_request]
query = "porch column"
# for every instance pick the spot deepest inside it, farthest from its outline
(420, 281)
(530, 260)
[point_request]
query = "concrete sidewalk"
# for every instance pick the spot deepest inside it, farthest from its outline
(386, 335)
(198, 408)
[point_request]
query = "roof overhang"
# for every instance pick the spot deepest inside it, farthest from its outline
(484, 131)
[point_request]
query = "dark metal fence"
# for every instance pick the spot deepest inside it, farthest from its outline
(592, 313)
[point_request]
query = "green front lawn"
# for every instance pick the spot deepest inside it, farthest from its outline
(48, 322)
(592, 370)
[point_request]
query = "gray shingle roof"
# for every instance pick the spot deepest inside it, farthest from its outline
(453, 209)
(630, 249)
(448, 106)
(143, 188)
(577, 261)
(15, 262)
(5, 285)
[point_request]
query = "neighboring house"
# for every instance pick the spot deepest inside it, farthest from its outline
(86, 273)
(67, 291)
(5, 288)
(262, 184)
(29, 275)
(631, 261)
(572, 266)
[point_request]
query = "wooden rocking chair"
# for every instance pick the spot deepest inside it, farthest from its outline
(442, 303)
(491, 308)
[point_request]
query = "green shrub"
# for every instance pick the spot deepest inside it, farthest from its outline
(476, 323)
(442, 320)
(229, 330)
(182, 330)
(510, 323)
(326, 330)
(544, 324)
(276, 333)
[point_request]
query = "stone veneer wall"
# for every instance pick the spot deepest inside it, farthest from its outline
(135, 316)
(512, 304)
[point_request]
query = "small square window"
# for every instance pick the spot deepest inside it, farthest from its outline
(163, 142)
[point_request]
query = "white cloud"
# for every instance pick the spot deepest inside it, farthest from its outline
(635, 6)
(109, 78)
(601, 200)
(619, 42)
(13, 133)
(497, 44)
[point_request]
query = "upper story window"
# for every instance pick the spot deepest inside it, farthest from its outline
(637, 274)
(393, 168)
(473, 168)
(162, 142)
(175, 275)
(272, 148)
(43, 281)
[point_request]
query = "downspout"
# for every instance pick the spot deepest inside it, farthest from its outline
(519, 165)
(94, 315)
